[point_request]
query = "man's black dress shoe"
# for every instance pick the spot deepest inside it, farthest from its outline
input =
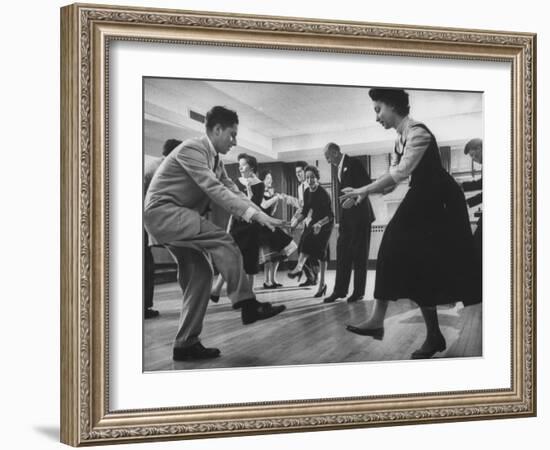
(354, 298)
(376, 333)
(195, 351)
(214, 298)
(429, 349)
(253, 310)
(150, 313)
(332, 298)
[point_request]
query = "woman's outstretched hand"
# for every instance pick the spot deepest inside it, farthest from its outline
(354, 194)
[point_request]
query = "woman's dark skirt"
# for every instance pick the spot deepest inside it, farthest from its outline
(316, 245)
(427, 251)
(247, 238)
(275, 246)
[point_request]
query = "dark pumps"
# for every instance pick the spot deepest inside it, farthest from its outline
(430, 348)
(375, 333)
(298, 275)
(322, 291)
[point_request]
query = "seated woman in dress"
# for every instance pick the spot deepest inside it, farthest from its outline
(275, 246)
(245, 234)
(314, 242)
(426, 253)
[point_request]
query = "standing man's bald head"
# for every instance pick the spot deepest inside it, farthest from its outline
(333, 154)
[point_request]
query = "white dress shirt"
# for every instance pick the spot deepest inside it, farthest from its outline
(340, 165)
(301, 189)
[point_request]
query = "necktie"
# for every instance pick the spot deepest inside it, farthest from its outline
(216, 160)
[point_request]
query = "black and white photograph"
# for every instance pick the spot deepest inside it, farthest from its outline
(294, 221)
(301, 224)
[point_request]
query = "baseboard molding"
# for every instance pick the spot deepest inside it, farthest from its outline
(167, 272)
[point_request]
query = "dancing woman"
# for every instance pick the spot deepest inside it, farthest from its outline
(275, 246)
(246, 234)
(426, 253)
(314, 242)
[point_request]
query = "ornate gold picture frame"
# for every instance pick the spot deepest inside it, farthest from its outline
(87, 32)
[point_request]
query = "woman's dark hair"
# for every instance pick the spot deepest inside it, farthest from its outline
(170, 145)
(222, 116)
(250, 160)
(397, 98)
(313, 169)
(264, 173)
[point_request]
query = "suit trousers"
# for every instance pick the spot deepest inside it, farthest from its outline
(352, 251)
(195, 257)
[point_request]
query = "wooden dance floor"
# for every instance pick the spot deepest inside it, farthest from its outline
(308, 332)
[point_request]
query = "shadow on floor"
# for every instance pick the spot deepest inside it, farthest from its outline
(51, 432)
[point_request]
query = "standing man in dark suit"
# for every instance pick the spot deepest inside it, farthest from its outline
(474, 148)
(174, 215)
(352, 248)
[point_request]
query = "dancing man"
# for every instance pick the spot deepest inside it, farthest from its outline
(179, 195)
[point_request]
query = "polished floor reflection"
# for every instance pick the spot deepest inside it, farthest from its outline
(308, 332)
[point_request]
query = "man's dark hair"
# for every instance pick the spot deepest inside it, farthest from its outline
(170, 145)
(313, 169)
(264, 173)
(222, 116)
(397, 98)
(473, 144)
(251, 161)
(301, 164)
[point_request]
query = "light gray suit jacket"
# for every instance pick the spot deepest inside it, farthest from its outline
(181, 190)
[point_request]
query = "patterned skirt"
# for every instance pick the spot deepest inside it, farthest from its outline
(275, 245)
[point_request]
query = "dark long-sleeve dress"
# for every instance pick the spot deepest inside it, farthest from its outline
(247, 234)
(274, 245)
(311, 244)
(427, 251)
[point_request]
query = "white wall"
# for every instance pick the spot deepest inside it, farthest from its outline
(30, 225)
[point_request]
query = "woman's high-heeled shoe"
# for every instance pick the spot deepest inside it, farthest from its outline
(277, 285)
(322, 291)
(375, 333)
(296, 274)
(429, 349)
